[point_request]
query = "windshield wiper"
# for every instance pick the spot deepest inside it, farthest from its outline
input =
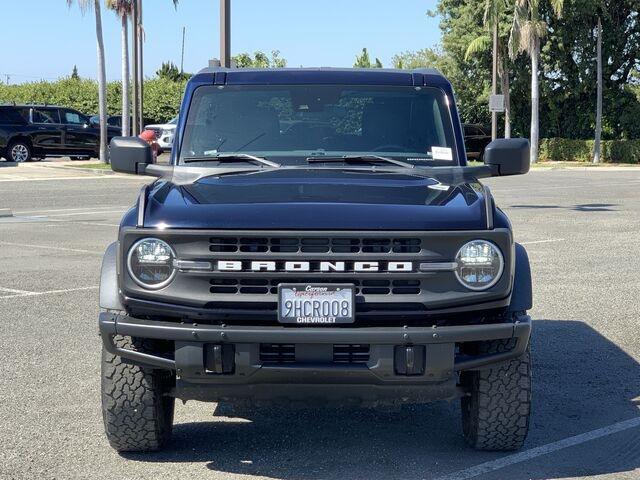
(359, 158)
(233, 157)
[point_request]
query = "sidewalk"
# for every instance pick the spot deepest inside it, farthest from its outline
(38, 171)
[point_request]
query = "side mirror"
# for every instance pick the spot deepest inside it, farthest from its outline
(508, 156)
(130, 155)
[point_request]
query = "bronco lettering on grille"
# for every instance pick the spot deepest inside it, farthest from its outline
(311, 266)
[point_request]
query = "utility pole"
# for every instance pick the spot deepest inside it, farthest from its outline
(494, 80)
(596, 143)
(140, 69)
(182, 55)
(134, 70)
(225, 33)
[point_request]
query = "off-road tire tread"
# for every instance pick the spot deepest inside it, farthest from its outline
(495, 415)
(137, 412)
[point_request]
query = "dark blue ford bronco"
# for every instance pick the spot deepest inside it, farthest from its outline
(317, 238)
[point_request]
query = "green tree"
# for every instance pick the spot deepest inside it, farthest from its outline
(260, 59)
(102, 74)
(529, 27)
(495, 12)
(74, 73)
(364, 61)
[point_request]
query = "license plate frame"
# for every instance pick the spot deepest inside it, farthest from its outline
(310, 292)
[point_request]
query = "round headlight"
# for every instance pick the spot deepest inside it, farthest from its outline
(150, 263)
(480, 265)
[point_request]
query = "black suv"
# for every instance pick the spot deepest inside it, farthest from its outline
(35, 131)
(476, 140)
(316, 238)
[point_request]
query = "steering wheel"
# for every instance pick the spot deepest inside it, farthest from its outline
(389, 147)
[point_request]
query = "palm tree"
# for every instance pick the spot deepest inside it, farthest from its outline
(493, 10)
(102, 75)
(526, 32)
(123, 9)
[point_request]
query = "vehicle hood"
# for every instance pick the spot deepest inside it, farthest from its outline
(319, 200)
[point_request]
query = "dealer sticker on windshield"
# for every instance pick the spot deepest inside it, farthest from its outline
(315, 304)
(441, 153)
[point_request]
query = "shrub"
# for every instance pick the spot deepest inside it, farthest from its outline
(570, 150)
(162, 96)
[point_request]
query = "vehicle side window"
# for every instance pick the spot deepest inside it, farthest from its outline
(11, 116)
(72, 118)
(45, 115)
(473, 131)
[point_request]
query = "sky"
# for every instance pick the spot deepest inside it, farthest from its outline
(46, 39)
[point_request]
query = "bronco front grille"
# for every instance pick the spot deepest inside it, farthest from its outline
(264, 286)
(233, 244)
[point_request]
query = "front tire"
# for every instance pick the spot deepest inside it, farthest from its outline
(496, 410)
(136, 408)
(19, 151)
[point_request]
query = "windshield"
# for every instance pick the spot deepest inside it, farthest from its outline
(292, 123)
(173, 121)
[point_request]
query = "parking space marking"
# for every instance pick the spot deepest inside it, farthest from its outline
(47, 247)
(48, 179)
(48, 292)
(533, 242)
(92, 212)
(13, 290)
(56, 210)
(532, 453)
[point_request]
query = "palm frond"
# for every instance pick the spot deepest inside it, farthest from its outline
(478, 45)
(84, 5)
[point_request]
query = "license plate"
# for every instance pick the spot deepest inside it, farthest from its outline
(309, 304)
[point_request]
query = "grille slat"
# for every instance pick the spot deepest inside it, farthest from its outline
(286, 353)
(305, 244)
(263, 286)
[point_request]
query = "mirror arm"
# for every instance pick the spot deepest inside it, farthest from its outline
(154, 170)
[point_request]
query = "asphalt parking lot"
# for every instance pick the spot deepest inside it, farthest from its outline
(582, 231)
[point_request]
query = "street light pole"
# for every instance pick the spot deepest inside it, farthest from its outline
(494, 80)
(225, 33)
(134, 70)
(140, 69)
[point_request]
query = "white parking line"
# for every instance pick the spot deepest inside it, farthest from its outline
(48, 179)
(47, 247)
(13, 290)
(542, 241)
(92, 212)
(527, 455)
(55, 210)
(33, 294)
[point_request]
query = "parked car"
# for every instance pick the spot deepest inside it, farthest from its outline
(476, 140)
(34, 131)
(165, 133)
(359, 261)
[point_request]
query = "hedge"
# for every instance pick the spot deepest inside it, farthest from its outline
(161, 96)
(569, 150)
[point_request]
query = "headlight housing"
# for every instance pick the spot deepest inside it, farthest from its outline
(479, 265)
(150, 263)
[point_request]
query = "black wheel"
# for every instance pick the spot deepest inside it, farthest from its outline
(136, 408)
(19, 151)
(495, 412)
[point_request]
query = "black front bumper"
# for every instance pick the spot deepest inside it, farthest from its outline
(378, 378)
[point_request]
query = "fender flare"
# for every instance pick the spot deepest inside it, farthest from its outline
(109, 291)
(522, 294)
